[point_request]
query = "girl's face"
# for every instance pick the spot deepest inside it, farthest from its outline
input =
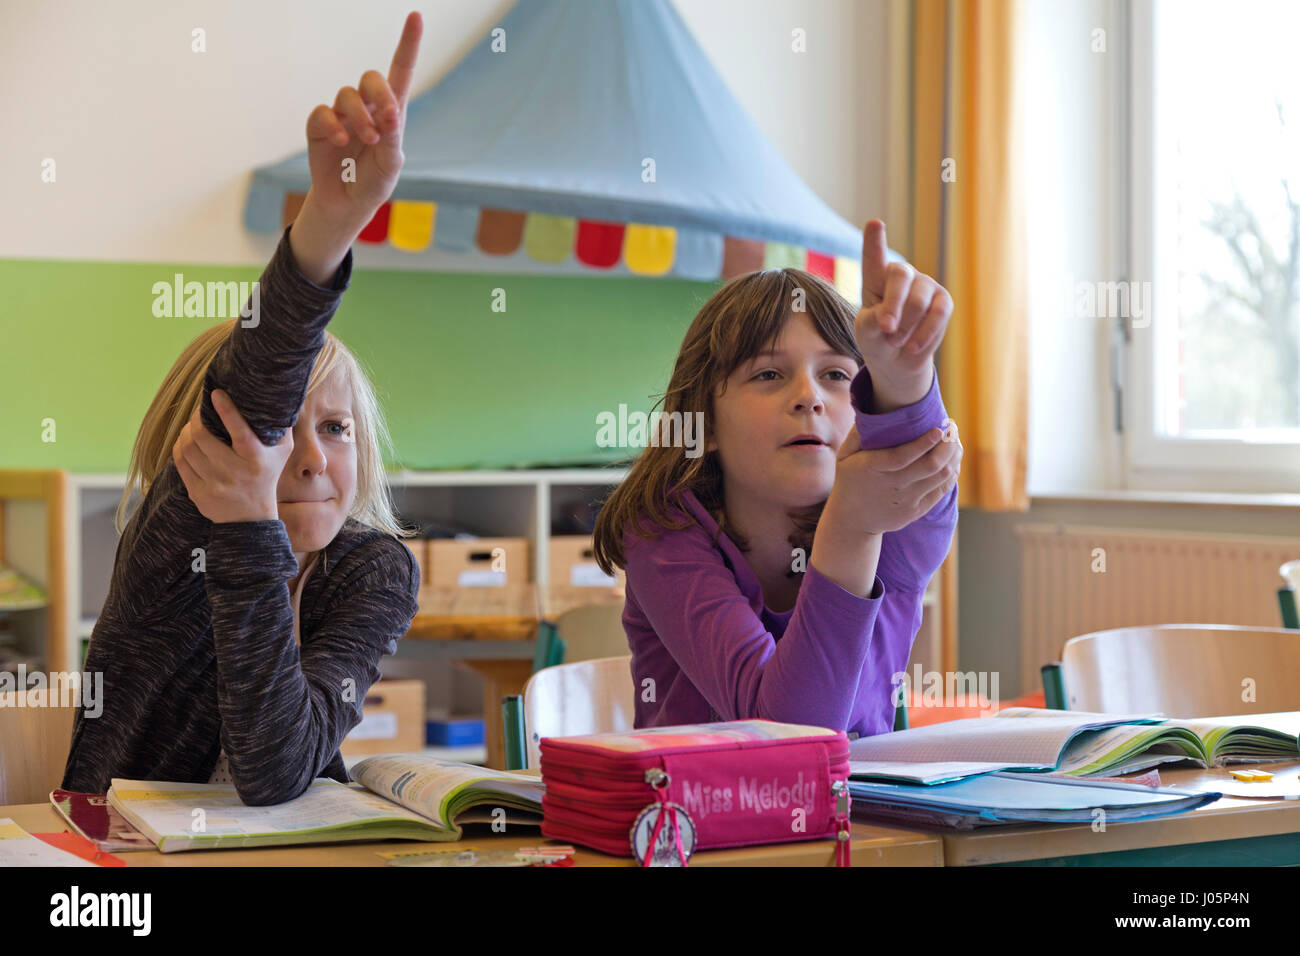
(800, 390)
(319, 481)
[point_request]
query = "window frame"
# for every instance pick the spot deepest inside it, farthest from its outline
(1153, 461)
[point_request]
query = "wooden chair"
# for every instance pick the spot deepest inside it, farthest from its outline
(580, 634)
(34, 744)
(1180, 670)
(1286, 595)
(584, 633)
(591, 632)
(584, 697)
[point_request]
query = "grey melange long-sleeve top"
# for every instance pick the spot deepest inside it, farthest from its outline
(195, 662)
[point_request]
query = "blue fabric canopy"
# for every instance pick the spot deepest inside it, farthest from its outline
(604, 110)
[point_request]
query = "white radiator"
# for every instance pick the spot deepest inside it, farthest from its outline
(1150, 577)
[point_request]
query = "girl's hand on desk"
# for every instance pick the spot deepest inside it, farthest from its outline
(364, 125)
(235, 482)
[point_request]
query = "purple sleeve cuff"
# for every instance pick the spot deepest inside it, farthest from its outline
(832, 596)
(901, 425)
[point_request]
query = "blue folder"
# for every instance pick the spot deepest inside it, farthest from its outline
(997, 798)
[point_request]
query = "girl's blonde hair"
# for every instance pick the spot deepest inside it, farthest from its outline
(740, 321)
(182, 389)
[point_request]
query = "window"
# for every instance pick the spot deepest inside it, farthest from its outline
(1212, 301)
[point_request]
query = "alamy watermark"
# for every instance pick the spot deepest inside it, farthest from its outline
(624, 429)
(57, 689)
(210, 300)
(948, 689)
(1108, 300)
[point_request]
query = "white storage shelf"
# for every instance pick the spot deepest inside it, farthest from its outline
(513, 503)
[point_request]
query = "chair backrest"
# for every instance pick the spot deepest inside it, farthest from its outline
(585, 697)
(34, 744)
(1291, 574)
(591, 632)
(1184, 670)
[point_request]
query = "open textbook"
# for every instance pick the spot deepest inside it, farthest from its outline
(1071, 742)
(396, 796)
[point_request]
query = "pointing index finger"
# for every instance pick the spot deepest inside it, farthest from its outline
(408, 48)
(875, 258)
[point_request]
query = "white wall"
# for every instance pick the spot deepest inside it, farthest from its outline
(155, 144)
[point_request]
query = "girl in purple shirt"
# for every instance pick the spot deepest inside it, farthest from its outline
(778, 571)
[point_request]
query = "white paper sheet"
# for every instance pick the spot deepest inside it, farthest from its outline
(20, 848)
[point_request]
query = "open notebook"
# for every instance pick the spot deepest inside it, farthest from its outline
(397, 796)
(1070, 742)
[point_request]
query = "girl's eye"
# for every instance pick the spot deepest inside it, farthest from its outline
(344, 430)
(844, 377)
(767, 371)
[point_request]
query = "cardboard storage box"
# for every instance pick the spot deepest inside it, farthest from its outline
(481, 562)
(573, 564)
(392, 721)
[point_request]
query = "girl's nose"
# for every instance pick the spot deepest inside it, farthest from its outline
(309, 459)
(807, 395)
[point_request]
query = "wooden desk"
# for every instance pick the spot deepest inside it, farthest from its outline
(1231, 831)
(872, 846)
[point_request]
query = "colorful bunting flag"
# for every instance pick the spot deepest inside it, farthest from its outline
(549, 238)
(600, 244)
(648, 250)
(410, 225)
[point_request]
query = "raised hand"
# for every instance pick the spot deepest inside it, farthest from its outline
(903, 318)
(364, 125)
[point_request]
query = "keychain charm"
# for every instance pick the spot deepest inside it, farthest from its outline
(664, 833)
(675, 840)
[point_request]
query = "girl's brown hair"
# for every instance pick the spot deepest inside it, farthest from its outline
(182, 389)
(739, 322)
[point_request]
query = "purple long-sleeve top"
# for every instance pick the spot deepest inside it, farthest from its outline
(699, 629)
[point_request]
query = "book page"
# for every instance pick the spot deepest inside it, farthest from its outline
(1087, 715)
(1286, 723)
(167, 809)
(1148, 749)
(921, 772)
(1032, 744)
(430, 786)
(20, 848)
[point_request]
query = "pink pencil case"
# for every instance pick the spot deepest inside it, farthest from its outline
(741, 782)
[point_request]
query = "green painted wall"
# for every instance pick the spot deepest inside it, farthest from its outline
(462, 386)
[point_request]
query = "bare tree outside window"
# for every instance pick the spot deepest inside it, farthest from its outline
(1241, 356)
